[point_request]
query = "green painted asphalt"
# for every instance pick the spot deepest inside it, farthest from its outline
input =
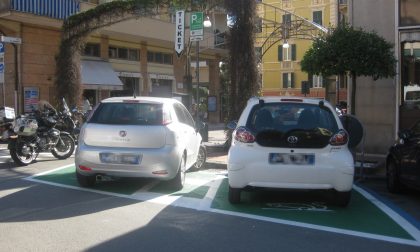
(361, 215)
(67, 176)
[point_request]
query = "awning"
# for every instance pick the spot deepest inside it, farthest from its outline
(99, 75)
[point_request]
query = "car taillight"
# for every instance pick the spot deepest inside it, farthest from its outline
(341, 138)
(243, 135)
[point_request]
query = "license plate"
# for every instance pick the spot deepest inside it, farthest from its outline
(118, 158)
(295, 159)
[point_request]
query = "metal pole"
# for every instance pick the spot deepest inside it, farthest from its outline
(197, 69)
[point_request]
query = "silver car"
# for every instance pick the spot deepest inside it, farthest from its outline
(139, 137)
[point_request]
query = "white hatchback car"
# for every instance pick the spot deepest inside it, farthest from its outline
(290, 143)
(138, 137)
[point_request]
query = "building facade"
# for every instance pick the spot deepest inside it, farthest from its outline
(280, 66)
(132, 57)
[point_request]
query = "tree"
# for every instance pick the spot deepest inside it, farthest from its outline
(242, 60)
(349, 50)
(77, 28)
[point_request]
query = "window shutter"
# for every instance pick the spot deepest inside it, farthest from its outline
(293, 52)
(292, 80)
(280, 53)
(284, 80)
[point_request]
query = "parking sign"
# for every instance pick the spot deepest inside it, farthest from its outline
(196, 24)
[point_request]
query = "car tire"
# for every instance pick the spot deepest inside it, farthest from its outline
(177, 183)
(392, 180)
(201, 158)
(86, 181)
(234, 195)
(342, 199)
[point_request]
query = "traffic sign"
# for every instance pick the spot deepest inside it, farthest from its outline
(196, 24)
(1, 67)
(196, 38)
(1, 48)
(12, 40)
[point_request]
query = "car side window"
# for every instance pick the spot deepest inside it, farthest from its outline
(416, 129)
(188, 118)
(179, 113)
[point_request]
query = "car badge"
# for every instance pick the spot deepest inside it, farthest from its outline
(292, 139)
(123, 133)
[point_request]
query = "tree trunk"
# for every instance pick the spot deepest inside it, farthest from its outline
(353, 93)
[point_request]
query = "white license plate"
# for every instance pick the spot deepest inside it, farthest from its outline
(118, 158)
(295, 159)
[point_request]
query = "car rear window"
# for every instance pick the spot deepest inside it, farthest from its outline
(128, 114)
(273, 123)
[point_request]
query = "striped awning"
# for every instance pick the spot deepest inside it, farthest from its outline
(59, 9)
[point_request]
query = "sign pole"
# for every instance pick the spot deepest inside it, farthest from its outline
(197, 69)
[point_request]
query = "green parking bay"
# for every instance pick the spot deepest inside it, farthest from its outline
(361, 217)
(67, 176)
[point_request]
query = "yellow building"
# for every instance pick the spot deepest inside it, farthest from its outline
(280, 65)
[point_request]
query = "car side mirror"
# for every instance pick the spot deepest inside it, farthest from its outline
(232, 125)
(404, 134)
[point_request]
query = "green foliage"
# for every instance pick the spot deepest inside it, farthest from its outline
(351, 50)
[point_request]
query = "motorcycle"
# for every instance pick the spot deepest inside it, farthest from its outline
(67, 122)
(7, 116)
(35, 133)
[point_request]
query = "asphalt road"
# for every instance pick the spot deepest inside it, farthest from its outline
(42, 217)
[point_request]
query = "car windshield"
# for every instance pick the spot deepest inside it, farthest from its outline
(128, 114)
(274, 122)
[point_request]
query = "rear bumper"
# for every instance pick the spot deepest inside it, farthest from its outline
(161, 163)
(250, 167)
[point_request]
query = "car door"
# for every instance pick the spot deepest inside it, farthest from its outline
(187, 132)
(193, 138)
(410, 157)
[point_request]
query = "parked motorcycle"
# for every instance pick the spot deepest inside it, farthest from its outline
(66, 121)
(7, 116)
(36, 133)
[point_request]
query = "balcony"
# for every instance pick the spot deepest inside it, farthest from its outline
(46, 8)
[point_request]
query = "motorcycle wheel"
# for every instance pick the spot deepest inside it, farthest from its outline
(23, 154)
(64, 148)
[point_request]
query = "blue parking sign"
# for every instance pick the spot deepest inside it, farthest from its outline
(1, 67)
(1, 48)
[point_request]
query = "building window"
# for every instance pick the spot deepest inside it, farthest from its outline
(287, 18)
(317, 17)
(317, 81)
(287, 54)
(160, 58)
(288, 80)
(286, 3)
(409, 12)
(317, 2)
(92, 49)
(124, 53)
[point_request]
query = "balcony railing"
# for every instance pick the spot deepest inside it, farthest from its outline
(58, 9)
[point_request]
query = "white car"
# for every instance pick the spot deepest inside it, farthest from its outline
(290, 143)
(139, 137)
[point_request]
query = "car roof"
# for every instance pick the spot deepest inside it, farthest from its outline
(139, 99)
(297, 99)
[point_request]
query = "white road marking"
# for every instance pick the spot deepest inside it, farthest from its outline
(205, 205)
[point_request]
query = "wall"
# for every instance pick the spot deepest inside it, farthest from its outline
(376, 100)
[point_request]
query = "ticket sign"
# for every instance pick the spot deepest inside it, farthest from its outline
(179, 32)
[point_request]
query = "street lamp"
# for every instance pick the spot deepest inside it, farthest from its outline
(207, 24)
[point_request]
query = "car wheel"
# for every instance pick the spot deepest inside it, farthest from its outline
(392, 181)
(234, 195)
(201, 158)
(177, 183)
(342, 199)
(86, 181)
